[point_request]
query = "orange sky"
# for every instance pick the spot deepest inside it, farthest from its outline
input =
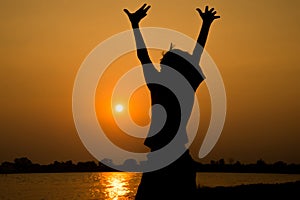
(254, 44)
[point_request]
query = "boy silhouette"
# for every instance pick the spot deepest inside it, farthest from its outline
(178, 180)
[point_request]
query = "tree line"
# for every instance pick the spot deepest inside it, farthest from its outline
(25, 165)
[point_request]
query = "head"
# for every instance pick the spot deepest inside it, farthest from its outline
(178, 60)
(182, 62)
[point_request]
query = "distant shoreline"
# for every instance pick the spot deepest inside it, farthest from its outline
(25, 165)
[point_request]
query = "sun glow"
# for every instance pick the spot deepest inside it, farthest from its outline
(117, 186)
(119, 108)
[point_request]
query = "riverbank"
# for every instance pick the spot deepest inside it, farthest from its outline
(288, 190)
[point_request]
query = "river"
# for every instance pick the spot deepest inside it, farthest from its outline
(109, 185)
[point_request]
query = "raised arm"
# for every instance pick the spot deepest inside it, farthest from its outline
(208, 16)
(135, 19)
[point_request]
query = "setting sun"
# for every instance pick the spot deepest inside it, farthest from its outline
(119, 108)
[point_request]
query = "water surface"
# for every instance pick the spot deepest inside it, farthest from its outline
(109, 185)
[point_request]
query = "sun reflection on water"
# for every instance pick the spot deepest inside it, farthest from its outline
(114, 185)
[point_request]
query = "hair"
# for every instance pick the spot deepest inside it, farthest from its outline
(183, 63)
(178, 60)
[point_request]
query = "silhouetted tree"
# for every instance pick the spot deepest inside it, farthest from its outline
(260, 162)
(87, 166)
(221, 162)
(8, 167)
(23, 164)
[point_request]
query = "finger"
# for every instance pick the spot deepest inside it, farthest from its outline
(216, 17)
(147, 8)
(199, 11)
(206, 8)
(212, 9)
(143, 6)
(215, 12)
(127, 12)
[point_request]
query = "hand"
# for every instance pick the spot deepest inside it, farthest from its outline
(136, 17)
(209, 15)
